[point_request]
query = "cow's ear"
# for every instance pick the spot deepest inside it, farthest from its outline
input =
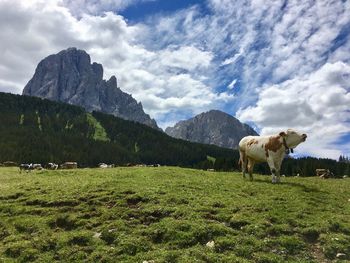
(283, 134)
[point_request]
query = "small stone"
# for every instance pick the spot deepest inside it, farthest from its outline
(210, 244)
(341, 255)
(97, 235)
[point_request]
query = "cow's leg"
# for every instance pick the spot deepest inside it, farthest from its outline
(250, 168)
(243, 162)
(273, 169)
(278, 170)
(278, 177)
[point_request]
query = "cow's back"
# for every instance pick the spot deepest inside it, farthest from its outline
(254, 147)
(242, 145)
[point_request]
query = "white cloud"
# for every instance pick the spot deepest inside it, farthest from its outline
(232, 59)
(317, 104)
(186, 57)
(232, 84)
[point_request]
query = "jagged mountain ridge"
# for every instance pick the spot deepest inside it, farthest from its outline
(69, 77)
(212, 127)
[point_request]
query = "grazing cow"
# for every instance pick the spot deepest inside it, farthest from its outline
(270, 149)
(26, 167)
(10, 164)
(69, 165)
(324, 173)
(37, 166)
(102, 165)
(52, 166)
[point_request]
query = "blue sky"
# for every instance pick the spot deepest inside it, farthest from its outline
(141, 11)
(272, 64)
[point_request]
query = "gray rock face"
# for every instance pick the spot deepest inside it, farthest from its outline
(70, 77)
(212, 127)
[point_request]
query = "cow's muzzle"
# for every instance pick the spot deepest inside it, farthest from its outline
(304, 136)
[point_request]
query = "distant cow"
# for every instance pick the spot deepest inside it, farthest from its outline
(270, 149)
(37, 166)
(52, 166)
(102, 165)
(25, 167)
(69, 165)
(9, 164)
(324, 173)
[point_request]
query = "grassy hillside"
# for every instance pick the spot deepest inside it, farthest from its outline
(34, 130)
(169, 214)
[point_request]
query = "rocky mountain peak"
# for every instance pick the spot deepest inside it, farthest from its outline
(69, 76)
(212, 127)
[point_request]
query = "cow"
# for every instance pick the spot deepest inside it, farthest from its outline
(37, 166)
(10, 164)
(102, 165)
(26, 167)
(69, 165)
(52, 166)
(270, 149)
(324, 173)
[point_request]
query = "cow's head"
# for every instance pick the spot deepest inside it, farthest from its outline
(293, 138)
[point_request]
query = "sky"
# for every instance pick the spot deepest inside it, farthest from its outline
(272, 64)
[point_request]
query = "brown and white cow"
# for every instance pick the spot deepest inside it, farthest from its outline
(270, 149)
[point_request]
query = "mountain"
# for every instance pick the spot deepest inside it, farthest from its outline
(70, 77)
(212, 127)
(35, 130)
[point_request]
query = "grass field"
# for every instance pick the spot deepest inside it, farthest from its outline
(169, 214)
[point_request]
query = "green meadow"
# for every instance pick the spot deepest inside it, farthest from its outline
(170, 214)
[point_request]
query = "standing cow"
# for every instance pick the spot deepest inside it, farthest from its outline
(270, 149)
(25, 167)
(69, 165)
(52, 166)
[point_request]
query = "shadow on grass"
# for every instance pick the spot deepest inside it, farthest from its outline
(303, 187)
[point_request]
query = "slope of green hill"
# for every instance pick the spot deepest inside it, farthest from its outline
(40, 131)
(169, 214)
